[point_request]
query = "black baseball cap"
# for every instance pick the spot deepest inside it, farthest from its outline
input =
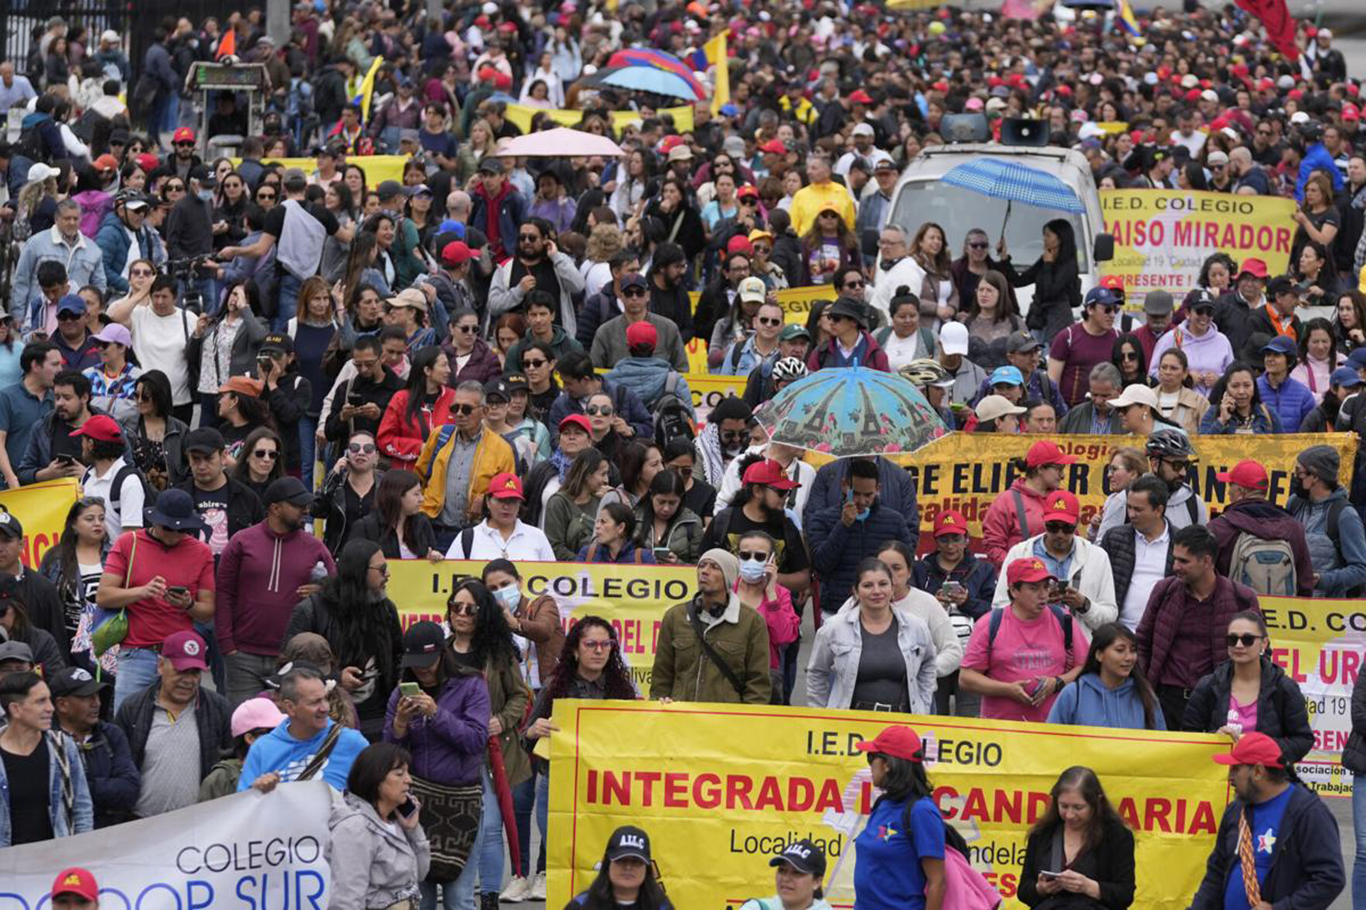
(74, 681)
(204, 441)
(422, 644)
(288, 489)
(628, 841)
(499, 388)
(804, 856)
(10, 524)
(517, 382)
(278, 342)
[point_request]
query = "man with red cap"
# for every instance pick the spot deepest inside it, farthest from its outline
(502, 535)
(176, 730)
(761, 506)
(111, 475)
(1278, 844)
(610, 342)
(1181, 634)
(1021, 655)
(1086, 582)
(75, 889)
(1261, 545)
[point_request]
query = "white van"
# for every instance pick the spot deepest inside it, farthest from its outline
(921, 195)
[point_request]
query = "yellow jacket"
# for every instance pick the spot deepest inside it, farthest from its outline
(492, 456)
(810, 200)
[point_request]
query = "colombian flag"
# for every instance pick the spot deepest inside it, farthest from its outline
(367, 89)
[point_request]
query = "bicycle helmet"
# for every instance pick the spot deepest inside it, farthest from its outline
(1170, 442)
(787, 369)
(924, 372)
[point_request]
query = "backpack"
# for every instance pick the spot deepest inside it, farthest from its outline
(1061, 615)
(966, 888)
(1265, 566)
(672, 415)
(30, 145)
(116, 488)
(927, 340)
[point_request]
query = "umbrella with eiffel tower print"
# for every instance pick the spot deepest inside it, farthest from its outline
(845, 412)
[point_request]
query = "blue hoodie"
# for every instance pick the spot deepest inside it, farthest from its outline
(281, 753)
(1088, 702)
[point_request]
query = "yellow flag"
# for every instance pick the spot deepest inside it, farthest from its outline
(715, 50)
(367, 89)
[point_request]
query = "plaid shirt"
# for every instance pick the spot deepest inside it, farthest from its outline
(114, 396)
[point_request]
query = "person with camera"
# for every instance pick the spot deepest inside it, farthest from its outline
(358, 402)
(161, 333)
(287, 394)
(225, 345)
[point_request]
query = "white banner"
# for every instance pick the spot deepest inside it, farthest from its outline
(242, 852)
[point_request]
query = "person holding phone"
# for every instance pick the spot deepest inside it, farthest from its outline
(758, 587)
(440, 712)
(1080, 854)
(664, 525)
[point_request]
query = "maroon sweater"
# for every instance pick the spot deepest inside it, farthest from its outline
(259, 575)
(1161, 622)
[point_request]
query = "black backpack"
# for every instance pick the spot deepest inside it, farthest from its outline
(672, 415)
(116, 488)
(31, 145)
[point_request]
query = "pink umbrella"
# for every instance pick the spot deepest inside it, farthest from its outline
(561, 142)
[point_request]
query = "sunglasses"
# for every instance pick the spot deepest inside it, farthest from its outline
(534, 364)
(464, 410)
(979, 246)
(70, 317)
(1129, 355)
(528, 238)
(734, 434)
(599, 410)
(753, 554)
(1177, 465)
(597, 645)
(1060, 527)
(175, 187)
(762, 248)
(766, 320)
(1247, 640)
(856, 283)
(466, 328)
(633, 292)
(141, 273)
(183, 145)
(269, 454)
(458, 609)
(1107, 308)
(356, 448)
(264, 196)
(829, 214)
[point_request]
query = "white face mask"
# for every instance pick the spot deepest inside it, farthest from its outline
(510, 596)
(752, 570)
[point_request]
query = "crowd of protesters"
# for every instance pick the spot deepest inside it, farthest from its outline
(484, 360)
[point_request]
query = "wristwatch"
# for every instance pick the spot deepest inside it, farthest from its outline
(1085, 605)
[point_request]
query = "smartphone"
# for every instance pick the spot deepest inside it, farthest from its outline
(354, 399)
(178, 590)
(407, 808)
(409, 689)
(64, 458)
(1034, 687)
(661, 553)
(1044, 873)
(951, 587)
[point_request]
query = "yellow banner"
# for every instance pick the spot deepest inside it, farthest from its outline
(1318, 644)
(521, 114)
(634, 602)
(967, 472)
(41, 508)
(708, 391)
(723, 788)
(1162, 237)
(378, 168)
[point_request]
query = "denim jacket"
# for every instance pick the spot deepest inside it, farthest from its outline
(832, 672)
(82, 810)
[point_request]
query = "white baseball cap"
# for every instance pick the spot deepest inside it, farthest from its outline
(953, 338)
(1135, 394)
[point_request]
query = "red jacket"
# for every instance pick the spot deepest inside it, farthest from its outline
(827, 355)
(1161, 622)
(401, 439)
(1001, 526)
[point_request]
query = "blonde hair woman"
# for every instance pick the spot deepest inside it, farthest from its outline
(603, 243)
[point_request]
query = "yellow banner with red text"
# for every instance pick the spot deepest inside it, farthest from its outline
(41, 508)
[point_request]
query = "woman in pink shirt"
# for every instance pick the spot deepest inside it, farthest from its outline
(758, 588)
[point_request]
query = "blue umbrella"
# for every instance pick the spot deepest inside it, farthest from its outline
(1014, 182)
(852, 411)
(648, 79)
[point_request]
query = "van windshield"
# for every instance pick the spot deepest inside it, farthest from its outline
(958, 211)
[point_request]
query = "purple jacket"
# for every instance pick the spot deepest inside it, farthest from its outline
(259, 575)
(450, 747)
(482, 366)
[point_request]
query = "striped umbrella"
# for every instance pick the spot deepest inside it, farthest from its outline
(648, 56)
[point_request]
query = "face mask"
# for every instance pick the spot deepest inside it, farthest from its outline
(862, 516)
(510, 596)
(752, 570)
(206, 195)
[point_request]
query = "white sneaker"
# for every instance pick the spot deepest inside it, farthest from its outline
(538, 887)
(516, 891)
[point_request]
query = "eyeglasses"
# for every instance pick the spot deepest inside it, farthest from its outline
(1247, 639)
(357, 448)
(175, 187)
(269, 454)
(979, 245)
(753, 554)
(464, 410)
(70, 317)
(767, 320)
(381, 569)
(633, 292)
(141, 273)
(854, 283)
(458, 609)
(1128, 355)
(467, 329)
(599, 410)
(528, 238)
(264, 196)
(1060, 527)
(533, 364)
(597, 645)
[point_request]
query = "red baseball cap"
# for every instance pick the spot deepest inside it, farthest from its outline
(739, 244)
(769, 473)
(100, 427)
(861, 97)
(185, 650)
(184, 134)
(774, 147)
(748, 189)
(1253, 267)
(577, 420)
(1046, 452)
(456, 252)
(899, 741)
(106, 162)
(1061, 505)
(76, 881)
(641, 334)
(1027, 571)
(1113, 282)
(1253, 749)
(950, 521)
(1246, 473)
(505, 486)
